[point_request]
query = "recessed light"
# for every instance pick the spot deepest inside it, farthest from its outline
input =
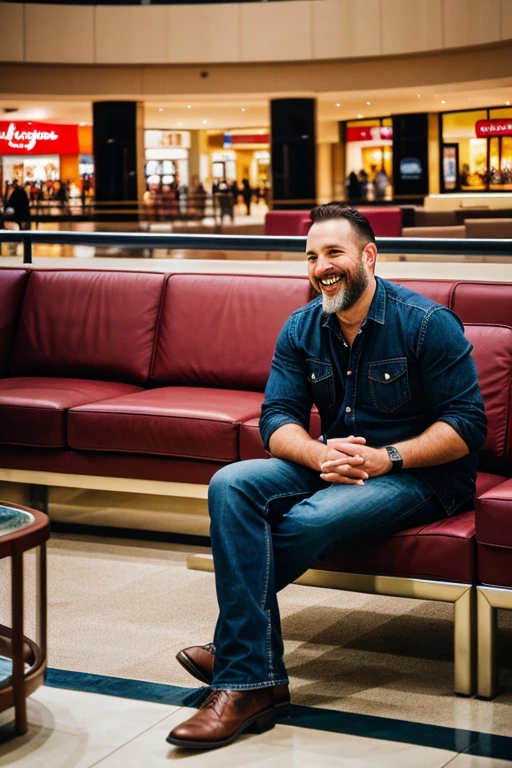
(443, 101)
(188, 106)
(161, 109)
(205, 122)
(419, 95)
(243, 109)
(360, 116)
(180, 124)
(82, 124)
(469, 98)
(507, 103)
(338, 105)
(368, 103)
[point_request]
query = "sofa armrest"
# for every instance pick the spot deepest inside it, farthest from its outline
(494, 516)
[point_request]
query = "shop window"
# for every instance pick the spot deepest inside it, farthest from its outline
(369, 159)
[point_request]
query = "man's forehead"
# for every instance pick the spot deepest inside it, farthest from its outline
(331, 232)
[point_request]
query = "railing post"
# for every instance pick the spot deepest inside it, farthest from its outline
(27, 250)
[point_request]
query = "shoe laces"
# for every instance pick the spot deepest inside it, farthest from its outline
(210, 647)
(212, 700)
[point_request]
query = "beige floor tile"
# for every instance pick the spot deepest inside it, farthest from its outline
(73, 729)
(471, 761)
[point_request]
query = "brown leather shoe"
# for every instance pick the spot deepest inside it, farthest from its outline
(223, 717)
(198, 661)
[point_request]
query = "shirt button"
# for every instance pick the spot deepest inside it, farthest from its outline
(348, 409)
(349, 373)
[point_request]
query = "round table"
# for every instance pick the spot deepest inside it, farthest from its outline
(22, 529)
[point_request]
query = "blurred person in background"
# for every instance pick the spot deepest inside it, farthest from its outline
(19, 202)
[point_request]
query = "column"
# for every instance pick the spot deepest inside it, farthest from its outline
(293, 142)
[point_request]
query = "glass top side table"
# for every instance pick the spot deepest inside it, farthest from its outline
(22, 529)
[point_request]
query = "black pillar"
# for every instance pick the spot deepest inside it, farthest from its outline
(410, 156)
(115, 151)
(293, 140)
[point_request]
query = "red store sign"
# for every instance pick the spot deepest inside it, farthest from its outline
(486, 128)
(369, 133)
(29, 138)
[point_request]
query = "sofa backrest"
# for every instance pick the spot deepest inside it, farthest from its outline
(483, 302)
(492, 353)
(12, 287)
(89, 324)
(220, 330)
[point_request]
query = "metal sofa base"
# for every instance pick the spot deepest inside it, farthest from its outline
(489, 600)
(461, 595)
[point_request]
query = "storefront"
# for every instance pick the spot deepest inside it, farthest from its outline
(241, 154)
(368, 158)
(476, 150)
(41, 154)
(166, 158)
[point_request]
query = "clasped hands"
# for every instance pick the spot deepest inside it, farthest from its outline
(349, 461)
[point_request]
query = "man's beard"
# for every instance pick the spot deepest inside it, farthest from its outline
(348, 294)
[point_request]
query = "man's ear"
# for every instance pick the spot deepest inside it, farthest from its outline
(370, 254)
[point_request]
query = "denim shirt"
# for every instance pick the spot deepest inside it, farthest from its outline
(409, 366)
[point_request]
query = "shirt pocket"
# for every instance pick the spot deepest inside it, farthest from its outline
(389, 383)
(321, 380)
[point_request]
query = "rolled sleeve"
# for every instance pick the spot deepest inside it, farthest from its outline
(450, 377)
(287, 396)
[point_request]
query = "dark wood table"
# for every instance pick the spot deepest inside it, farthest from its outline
(22, 529)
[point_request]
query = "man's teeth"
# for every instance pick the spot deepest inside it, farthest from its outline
(330, 280)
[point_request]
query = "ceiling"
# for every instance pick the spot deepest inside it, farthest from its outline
(239, 111)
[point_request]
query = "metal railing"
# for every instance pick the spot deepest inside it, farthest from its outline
(409, 246)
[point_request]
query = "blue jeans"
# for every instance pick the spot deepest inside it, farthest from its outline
(271, 520)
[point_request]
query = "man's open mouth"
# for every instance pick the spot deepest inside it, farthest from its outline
(332, 280)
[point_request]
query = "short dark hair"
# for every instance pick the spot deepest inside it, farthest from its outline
(336, 210)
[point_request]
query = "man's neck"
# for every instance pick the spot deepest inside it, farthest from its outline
(350, 321)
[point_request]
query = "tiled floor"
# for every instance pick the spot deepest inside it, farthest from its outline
(76, 729)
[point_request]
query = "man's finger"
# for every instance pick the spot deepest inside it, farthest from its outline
(334, 477)
(342, 460)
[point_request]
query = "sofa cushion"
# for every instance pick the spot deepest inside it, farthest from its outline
(93, 324)
(492, 353)
(450, 232)
(439, 291)
(444, 550)
(489, 228)
(220, 330)
(33, 409)
(12, 286)
(494, 535)
(291, 223)
(385, 221)
(190, 422)
(483, 303)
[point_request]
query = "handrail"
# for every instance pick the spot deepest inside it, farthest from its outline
(394, 245)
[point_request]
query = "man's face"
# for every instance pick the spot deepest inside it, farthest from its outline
(339, 266)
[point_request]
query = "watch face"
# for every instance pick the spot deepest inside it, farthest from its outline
(393, 454)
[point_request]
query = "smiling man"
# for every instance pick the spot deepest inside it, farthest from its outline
(402, 421)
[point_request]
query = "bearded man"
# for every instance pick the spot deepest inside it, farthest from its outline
(402, 419)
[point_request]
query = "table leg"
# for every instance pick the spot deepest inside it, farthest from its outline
(18, 669)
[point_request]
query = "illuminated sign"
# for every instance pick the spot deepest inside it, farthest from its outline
(369, 133)
(154, 139)
(410, 168)
(486, 128)
(29, 138)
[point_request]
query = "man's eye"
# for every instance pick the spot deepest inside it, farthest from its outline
(311, 258)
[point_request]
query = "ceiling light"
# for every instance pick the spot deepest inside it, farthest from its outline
(368, 103)
(507, 103)
(443, 101)
(82, 124)
(180, 124)
(360, 116)
(205, 122)
(419, 95)
(243, 109)
(188, 106)
(161, 109)
(338, 105)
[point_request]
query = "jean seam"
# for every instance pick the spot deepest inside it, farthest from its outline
(268, 637)
(248, 686)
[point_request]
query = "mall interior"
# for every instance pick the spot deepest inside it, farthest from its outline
(159, 160)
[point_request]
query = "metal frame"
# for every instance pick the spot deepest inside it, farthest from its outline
(392, 245)
(460, 594)
(489, 599)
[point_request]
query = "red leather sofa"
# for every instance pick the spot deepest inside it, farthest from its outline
(155, 377)
(386, 221)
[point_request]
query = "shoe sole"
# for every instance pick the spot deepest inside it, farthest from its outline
(283, 707)
(263, 721)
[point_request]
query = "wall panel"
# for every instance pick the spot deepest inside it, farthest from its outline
(205, 33)
(408, 26)
(506, 19)
(11, 32)
(344, 28)
(276, 31)
(471, 22)
(133, 34)
(60, 34)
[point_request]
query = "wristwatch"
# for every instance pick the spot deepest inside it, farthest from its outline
(396, 459)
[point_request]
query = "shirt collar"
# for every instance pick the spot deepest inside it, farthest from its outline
(377, 311)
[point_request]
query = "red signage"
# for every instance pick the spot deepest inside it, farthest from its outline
(369, 132)
(29, 138)
(486, 128)
(250, 138)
